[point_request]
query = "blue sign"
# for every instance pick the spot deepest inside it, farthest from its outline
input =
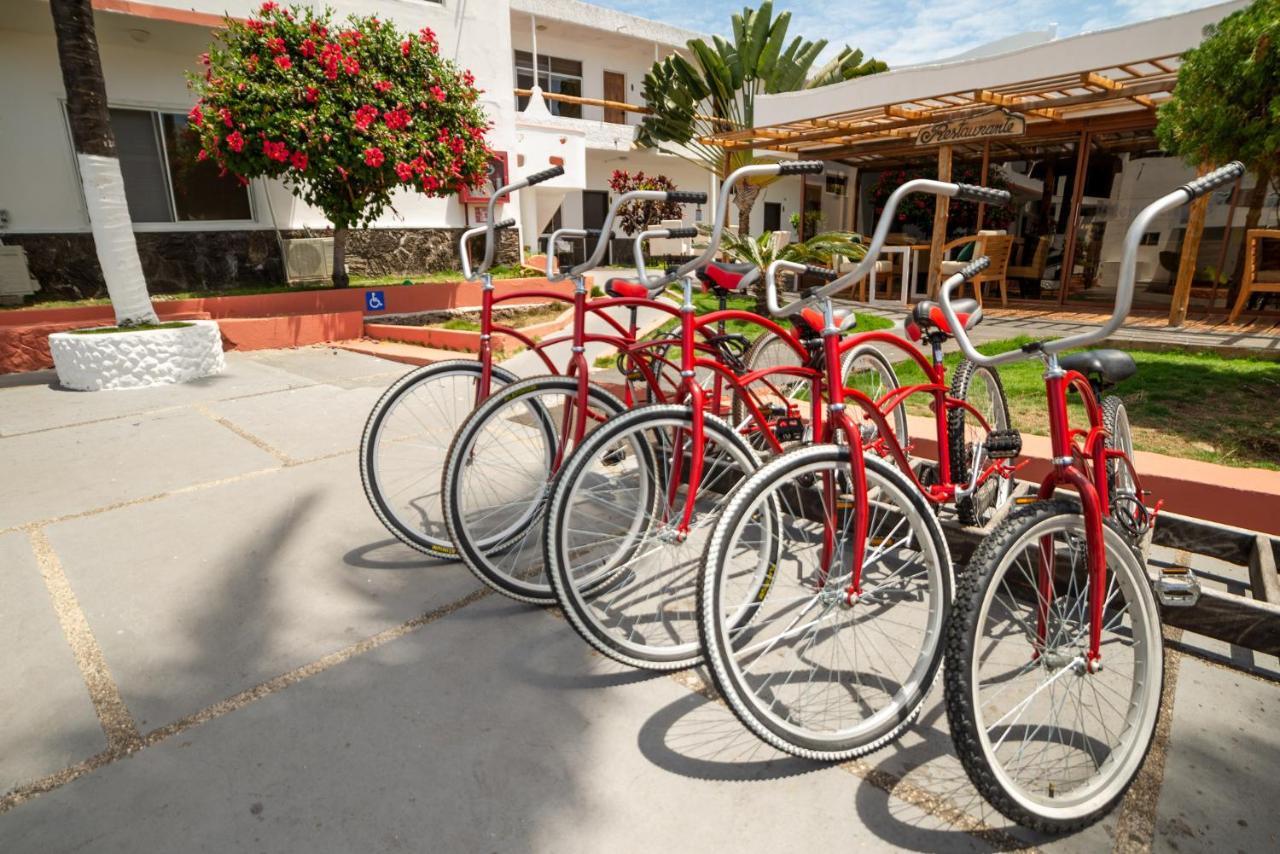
(374, 301)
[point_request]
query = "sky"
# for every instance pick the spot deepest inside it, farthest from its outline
(903, 32)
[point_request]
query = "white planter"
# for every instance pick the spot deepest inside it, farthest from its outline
(137, 359)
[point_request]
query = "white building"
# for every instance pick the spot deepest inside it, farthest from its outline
(216, 233)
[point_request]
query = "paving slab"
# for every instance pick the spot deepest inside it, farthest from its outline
(451, 739)
(306, 422)
(207, 593)
(1220, 785)
(330, 365)
(38, 403)
(47, 721)
(83, 468)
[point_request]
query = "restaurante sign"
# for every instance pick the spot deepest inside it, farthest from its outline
(985, 126)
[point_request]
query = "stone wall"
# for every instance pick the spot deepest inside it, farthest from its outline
(66, 265)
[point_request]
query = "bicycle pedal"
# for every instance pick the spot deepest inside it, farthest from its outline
(1003, 444)
(788, 429)
(1177, 587)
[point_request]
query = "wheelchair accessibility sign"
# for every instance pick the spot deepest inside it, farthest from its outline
(374, 301)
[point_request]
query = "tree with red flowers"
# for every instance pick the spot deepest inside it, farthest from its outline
(636, 216)
(343, 112)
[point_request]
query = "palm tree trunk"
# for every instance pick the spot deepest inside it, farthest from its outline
(340, 277)
(95, 147)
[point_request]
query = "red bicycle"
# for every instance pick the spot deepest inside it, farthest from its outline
(408, 432)
(1055, 656)
(638, 501)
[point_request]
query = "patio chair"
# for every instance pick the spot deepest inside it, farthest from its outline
(1256, 280)
(997, 246)
(885, 274)
(1033, 271)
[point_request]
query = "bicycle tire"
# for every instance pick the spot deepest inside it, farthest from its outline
(971, 508)
(889, 723)
(974, 599)
(478, 556)
(370, 444)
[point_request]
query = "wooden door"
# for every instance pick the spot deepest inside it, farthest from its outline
(615, 89)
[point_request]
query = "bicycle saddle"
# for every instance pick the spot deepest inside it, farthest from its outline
(927, 314)
(620, 287)
(1109, 366)
(812, 318)
(726, 277)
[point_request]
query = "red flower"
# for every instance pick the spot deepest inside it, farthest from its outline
(299, 160)
(276, 45)
(277, 151)
(405, 46)
(437, 93)
(397, 118)
(404, 171)
(342, 172)
(351, 37)
(307, 48)
(428, 37)
(374, 157)
(268, 7)
(235, 141)
(284, 62)
(331, 72)
(255, 25)
(242, 181)
(351, 65)
(430, 183)
(202, 155)
(312, 94)
(317, 30)
(204, 58)
(196, 116)
(468, 78)
(365, 116)
(383, 86)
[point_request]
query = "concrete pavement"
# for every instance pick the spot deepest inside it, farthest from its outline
(212, 645)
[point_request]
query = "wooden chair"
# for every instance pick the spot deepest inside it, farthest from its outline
(885, 274)
(998, 247)
(1035, 270)
(1256, 280)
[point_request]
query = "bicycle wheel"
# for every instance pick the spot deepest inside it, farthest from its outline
(1127, 507)
(981, 387)
(770, 394)
(499, 473)
(866, 369)
(620, 568)
(404, 443)
(1048, 743)
(802, 667)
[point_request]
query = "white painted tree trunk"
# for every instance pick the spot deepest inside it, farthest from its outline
(114, 240)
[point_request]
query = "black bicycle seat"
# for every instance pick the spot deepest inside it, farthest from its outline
(1109, 366)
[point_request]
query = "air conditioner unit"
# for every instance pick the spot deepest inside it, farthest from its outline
(308, 259)
(15, 279)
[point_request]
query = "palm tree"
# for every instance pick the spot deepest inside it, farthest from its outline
(95, 146)
(820, 250)
(690, 103)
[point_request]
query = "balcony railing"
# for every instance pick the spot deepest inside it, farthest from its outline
(605, 105)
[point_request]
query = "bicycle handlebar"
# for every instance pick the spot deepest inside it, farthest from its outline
(464, 249)
(656, 284)
(553, 274)
(1124, 285)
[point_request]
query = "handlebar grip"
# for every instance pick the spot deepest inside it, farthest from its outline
(1215, 179)
(802, 167)
(975, 267)
(506, 223)
(682, 232)
(982, 195)
(544, 175)
(687, 197)
(821, 272)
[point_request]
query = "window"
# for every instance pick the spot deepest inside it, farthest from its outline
(163, 181)
(560, 76)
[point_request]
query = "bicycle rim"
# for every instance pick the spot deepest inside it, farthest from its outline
(622, 570)
(800, 666)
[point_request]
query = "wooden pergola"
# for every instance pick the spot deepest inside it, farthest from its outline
(1111, 108)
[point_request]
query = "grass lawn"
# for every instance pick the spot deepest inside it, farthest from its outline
(502, 271)
(1197, 406)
